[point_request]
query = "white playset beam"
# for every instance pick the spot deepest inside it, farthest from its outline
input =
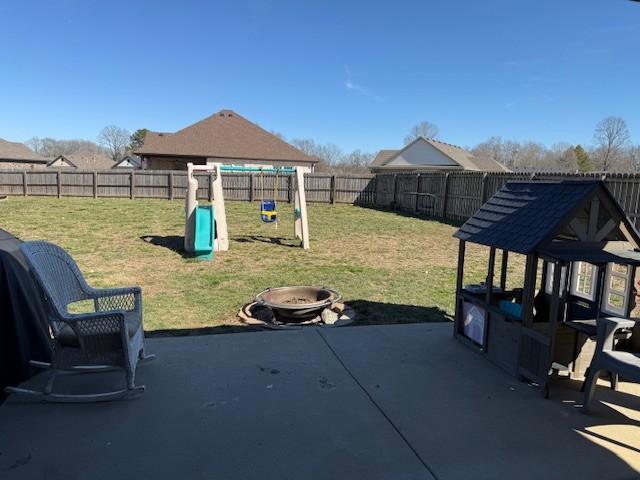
(301, 224)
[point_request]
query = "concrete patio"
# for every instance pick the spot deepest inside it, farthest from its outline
(379, 402)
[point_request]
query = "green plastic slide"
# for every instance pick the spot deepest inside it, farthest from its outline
(204, 232)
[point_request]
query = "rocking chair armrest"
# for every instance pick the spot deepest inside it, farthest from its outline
(607, 327)
(111, 299)
(96, 323)
(109, 292)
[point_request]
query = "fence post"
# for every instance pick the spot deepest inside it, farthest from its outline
(417, 192)
(95, 184)
(445, 194)
(375, 190)
(171, 180)
(290, 188)
(24, 183)
(210, 192)
(251, 182)
(59, 183)
(395, 190)
(332, 193)
(131, 184)
(483, 195)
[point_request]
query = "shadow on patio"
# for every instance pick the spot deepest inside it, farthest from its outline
(375, 402)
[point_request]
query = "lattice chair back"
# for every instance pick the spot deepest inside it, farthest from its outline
(58, 274)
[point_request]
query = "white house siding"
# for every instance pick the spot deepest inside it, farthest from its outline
(61, 163)
(421, 154)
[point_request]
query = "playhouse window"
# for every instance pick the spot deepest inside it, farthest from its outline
(584, 279)
(616, 288)
(548, 286)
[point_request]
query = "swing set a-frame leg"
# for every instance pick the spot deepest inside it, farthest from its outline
(301, 224)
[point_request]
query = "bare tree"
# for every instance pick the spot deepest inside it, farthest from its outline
(611, 136)
(633, 154)
(52, 147)
(422, 129)
(328, 152)
(116, 140)
(35, 144)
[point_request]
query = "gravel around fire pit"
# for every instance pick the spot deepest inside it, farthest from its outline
(259, 315)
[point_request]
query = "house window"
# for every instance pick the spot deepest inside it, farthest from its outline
(548, 286)
(615, 296)
(583, 280)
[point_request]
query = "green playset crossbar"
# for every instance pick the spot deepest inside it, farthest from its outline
(240, 168)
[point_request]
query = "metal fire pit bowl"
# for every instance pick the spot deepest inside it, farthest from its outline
(297, 304)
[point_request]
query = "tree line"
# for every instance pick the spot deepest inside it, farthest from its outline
(611, 150)
(113, 141)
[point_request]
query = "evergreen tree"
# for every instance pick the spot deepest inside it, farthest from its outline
(584, 162)
(137, 139)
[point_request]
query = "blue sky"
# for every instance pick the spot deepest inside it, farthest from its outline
(357, 74)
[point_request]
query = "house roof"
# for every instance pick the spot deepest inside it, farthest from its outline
(224, 134)
(459, 155)
(522, 216)
(89, 160)
(61, 157)
(383, 157)
(19, 152)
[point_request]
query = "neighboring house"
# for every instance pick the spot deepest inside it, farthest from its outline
(61, 161)
(224, 137)
(16, 155)
(129, 162)
(82, 160)
(427, 155)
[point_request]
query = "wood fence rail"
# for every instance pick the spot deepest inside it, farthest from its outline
(173, 184)
(453, 196)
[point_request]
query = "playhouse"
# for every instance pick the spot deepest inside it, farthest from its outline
(205, 230)
(580, 255)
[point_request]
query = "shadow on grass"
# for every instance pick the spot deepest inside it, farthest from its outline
(368, 313)
(285, 242)
(418, 215)
(380, 313)
(175, 243)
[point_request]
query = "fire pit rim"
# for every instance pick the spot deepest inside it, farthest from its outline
(334, 297)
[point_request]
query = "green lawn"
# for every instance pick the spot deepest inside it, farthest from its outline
(391, 268)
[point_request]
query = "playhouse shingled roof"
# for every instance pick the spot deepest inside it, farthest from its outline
(522, 215)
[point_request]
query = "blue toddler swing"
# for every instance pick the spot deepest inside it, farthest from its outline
(268, 211)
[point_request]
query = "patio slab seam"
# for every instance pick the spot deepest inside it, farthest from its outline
(376, 405)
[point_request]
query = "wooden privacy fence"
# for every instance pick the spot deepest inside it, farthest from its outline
(453, 196)
(173, 184)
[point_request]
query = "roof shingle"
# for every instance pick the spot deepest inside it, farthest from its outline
(521, 215)
(19, 152)
(459, 155)
(224, 134)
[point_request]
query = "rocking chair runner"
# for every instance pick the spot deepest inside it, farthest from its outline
(111, 336)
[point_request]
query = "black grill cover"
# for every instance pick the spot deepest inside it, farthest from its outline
(24, 334)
